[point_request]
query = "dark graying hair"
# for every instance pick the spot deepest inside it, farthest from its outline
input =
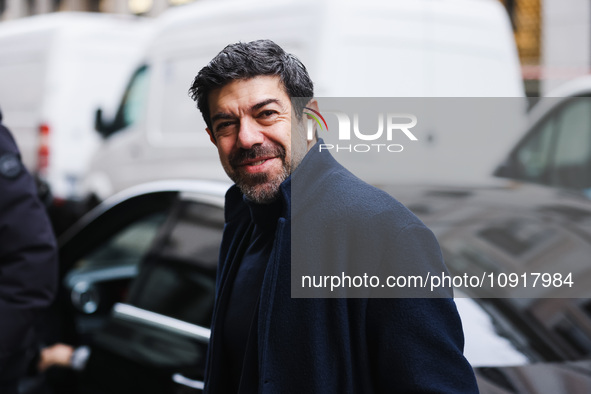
(249, 60)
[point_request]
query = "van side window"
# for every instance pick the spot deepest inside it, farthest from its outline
(572, 161)
(558, 151)
(136, 97)
(533, 159)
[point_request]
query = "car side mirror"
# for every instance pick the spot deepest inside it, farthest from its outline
(85, 297)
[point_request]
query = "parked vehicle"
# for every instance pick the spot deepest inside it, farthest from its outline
(556, 150)
(139, 271)
(451, 48)
(138, 279)
(516, 227)
(55, 69)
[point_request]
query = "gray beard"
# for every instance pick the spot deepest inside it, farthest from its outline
(259, 188)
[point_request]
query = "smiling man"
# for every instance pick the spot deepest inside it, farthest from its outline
(251, 127)
(252, 97)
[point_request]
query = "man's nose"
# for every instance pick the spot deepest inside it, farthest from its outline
(249, 134)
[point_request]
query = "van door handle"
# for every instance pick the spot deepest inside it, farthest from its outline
(185, 381)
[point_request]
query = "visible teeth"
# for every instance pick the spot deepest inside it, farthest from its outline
(256, 163)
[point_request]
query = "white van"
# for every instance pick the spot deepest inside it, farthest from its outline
(385, 48)
(55, 69)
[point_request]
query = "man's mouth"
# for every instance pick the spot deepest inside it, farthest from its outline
(256, 162)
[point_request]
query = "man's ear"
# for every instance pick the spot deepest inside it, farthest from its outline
(313, 104)
(213, 141)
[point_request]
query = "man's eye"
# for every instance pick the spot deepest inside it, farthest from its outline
(267, 113)
(223, 125)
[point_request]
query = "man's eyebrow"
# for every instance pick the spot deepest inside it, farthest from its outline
(221, 115)
(224, 115)
(263, 103)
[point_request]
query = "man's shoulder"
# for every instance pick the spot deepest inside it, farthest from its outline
(356, 199)
(331, 187)
(7, 142)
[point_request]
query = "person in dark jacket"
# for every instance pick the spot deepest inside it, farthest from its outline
(28, 263)
(291, 197)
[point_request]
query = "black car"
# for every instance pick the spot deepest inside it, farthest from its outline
(137, 286)
(536, 340)
(139, 275)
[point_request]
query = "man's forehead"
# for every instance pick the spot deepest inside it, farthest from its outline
(248, 92)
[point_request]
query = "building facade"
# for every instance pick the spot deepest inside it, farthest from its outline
(12, 9)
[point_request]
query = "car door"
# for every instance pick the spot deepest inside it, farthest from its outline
(156, 341)
(99, 257)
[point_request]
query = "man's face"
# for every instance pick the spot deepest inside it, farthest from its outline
(251, 127)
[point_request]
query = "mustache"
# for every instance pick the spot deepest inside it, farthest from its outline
(237, 158)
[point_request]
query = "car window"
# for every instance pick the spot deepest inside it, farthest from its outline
(572, 159)
(178, 277)
(101, 278)
(124, 248)
(534, 156)
(101, 254)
